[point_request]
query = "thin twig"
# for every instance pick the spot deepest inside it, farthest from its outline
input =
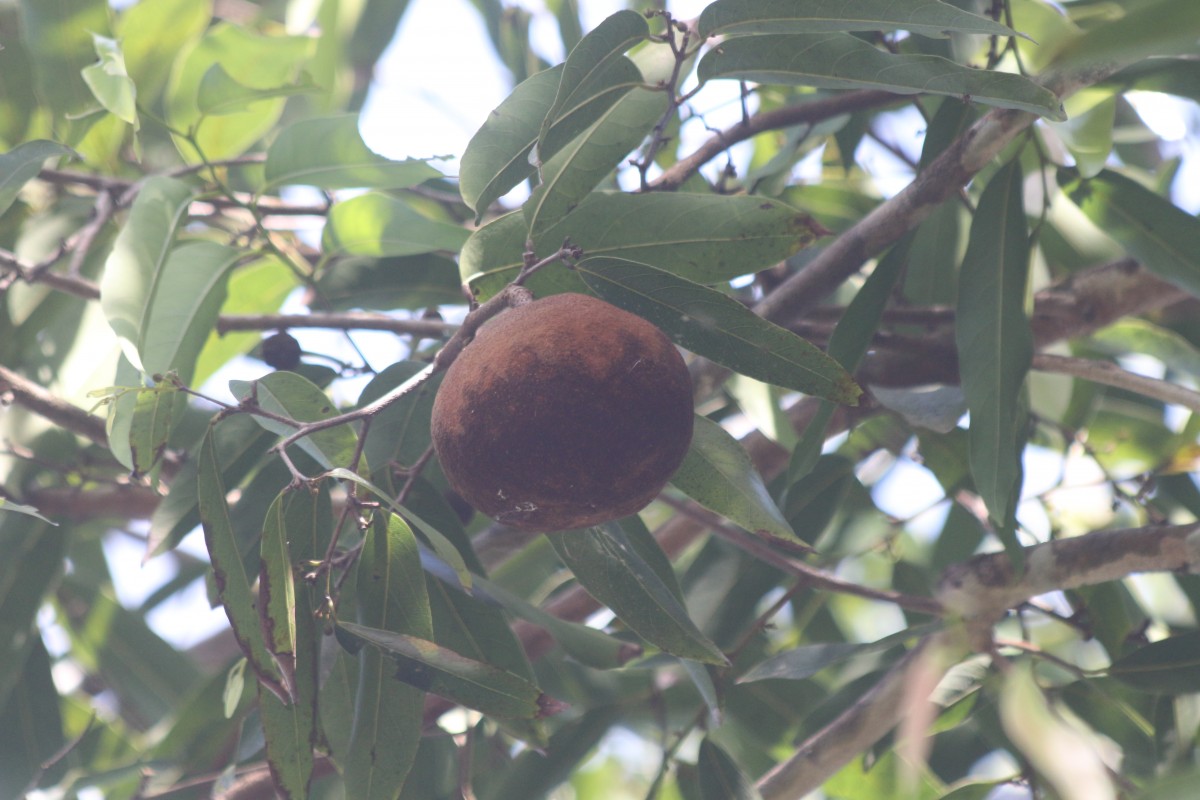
(814, 111)
(1112, 375)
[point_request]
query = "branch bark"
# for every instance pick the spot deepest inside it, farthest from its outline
(978, 592)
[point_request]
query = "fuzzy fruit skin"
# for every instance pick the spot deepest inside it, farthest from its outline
(563, 413)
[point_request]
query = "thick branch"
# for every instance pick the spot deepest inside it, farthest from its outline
(983, 588)
(33, 397)
(979, 591)
(889, 221)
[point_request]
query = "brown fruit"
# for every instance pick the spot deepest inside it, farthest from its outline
(563, 413)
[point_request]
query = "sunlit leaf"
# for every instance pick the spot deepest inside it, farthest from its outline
(110, 82)
(153, 33)
(926, 17)
(601, 47)
(150, 426)
(1089, 131)
(497, 157)
(605, 562)
(378, 225)
(995, 344)
(842, 61)
(59, 38)
(1163, 28)
(258, 61)
(21, 164)
(329, 153)
(714, 325)
(220, 93)
(704, 238)
(183, 306)
(1063, 752)
(1155, 231)
(718, 475)
(583, 163)
(21, 508)
(136, 264)
(295, 397)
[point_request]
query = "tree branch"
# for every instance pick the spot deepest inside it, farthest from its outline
(354, 320)
(33, 397)
(978, 591)
(892, 219)
(1111, 375)
(803, 113)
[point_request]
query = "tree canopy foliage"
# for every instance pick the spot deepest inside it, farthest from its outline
(935, 536)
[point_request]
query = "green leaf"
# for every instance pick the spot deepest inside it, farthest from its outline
(1088, 133)
(296, 531)
(31, 727)
(412, 282)
(1165, 28)
(1169, 666)
(1065, 753)
(151, 425)
(497, 157)
(182, 307)
(378, 225)
(58, 36)
(584, 162)
(329, 153)
(715, 325)
(1152, 229)
(135, 267)
(463, 680)
(258, 61)
(295, 397)
(609, 567)
(847, 345)
(399, 433)
(277, 593)
(110, 82)
(220, 94)
(21, 508)
(239, 444)
(233, 585)
(31, 567)
(387, 713)
(718, 475)
(22, 164)
(842, 61)
(705, 238)
(602, 46)
(152, 35)
(440, 543)
(995, 345)
(926, 17)
(720, 776)
(585, 644)
(259, 287)
(1132, 335)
